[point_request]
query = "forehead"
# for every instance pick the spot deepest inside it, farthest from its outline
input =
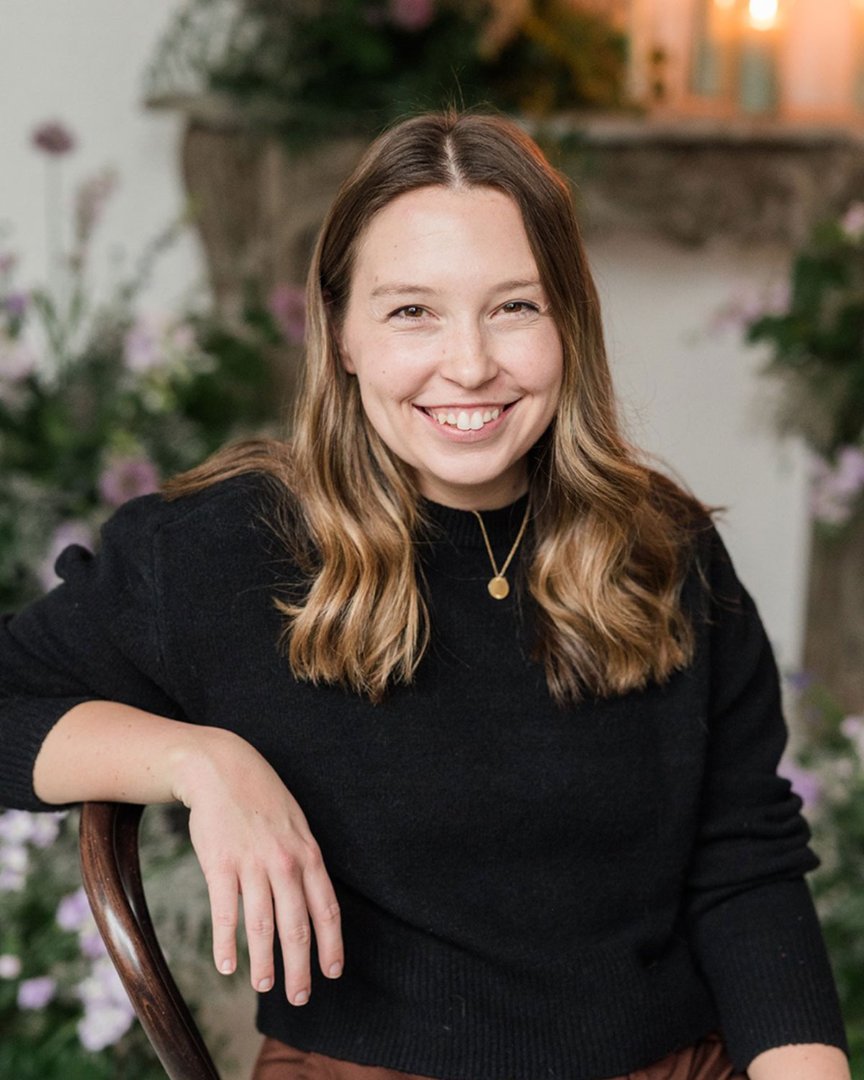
(434, 229)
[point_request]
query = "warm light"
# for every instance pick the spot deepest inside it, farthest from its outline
(763, 14)
(726, 4)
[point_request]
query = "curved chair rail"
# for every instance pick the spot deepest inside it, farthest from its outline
(111, 872)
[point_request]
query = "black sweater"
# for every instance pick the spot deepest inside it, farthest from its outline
(528, 892)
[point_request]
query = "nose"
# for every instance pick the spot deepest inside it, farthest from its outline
(468, 357)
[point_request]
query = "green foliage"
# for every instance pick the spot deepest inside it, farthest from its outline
(323, 67)
(829, 773)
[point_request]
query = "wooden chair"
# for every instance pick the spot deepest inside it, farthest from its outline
(111, 872)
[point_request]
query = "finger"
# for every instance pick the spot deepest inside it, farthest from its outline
(326, 918)
(295, 933)
(222, 890)
(258, 920)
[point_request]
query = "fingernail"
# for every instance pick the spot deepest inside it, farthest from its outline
(226, 967)
(301, 998)
(264, 985)
(335, 969)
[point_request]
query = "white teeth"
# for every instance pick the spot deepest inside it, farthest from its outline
(465, 421)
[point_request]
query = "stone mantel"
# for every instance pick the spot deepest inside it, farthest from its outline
(696, 180)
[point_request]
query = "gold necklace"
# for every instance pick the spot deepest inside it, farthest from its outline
(498, 586)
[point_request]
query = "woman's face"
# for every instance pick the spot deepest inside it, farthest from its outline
(448, 332)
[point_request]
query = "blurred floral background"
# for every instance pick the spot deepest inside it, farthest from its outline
(704, 205)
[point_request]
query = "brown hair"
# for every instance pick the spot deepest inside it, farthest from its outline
(610, 535)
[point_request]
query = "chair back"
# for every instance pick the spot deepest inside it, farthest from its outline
(111, 873)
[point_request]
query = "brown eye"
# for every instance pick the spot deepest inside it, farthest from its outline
(410, 311)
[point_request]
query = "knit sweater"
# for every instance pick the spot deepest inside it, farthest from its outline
(528, 892)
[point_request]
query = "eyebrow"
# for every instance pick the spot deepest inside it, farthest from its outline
(401, 289)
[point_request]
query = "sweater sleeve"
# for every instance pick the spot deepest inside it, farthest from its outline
(752, 919)
(94, 637)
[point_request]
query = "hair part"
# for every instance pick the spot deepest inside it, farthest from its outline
(610, 547)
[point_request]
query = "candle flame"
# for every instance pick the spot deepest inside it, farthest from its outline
(763, 13)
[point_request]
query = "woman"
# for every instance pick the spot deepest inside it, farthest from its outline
(505, 669)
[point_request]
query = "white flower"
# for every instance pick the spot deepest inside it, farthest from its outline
(103, 1026)
(10, 966)
(852, 222)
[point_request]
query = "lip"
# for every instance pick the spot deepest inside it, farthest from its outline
(454, 434)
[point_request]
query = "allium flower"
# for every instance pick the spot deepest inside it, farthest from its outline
(67, 533)
(805, 783)
(126, 478)
(287, 305)
(852, 222)
(10, 966)
(36, 993)
(412, 15)
(54, 138)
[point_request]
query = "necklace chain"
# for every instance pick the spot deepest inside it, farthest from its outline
(498, 585)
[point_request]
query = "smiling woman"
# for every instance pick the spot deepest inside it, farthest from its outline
(542, 831)
(460, 373)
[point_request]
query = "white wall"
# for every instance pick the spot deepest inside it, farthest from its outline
(696, 399)
(691, 401)
(82, 62)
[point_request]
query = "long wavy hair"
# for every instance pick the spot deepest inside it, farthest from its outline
(610, 547)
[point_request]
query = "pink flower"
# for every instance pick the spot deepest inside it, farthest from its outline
(54, 138)
(287, 305)
(16, 304)
(36, 993)
(8, 262)
(142, 350)
(126, 478)
(852, 222)
(412, 15)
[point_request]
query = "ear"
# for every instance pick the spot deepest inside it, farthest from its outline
(344, 358)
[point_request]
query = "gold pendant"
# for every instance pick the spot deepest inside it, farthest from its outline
(498, 587)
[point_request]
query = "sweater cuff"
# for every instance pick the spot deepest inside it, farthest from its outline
(766, 963)
(33, 719)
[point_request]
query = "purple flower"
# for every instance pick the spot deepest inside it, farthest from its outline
(805, 783)
(73, 911)
(45, 828)
(107, 1012)
(141, 345)
(837, 486)
(852, 222)
(67, 533)
(10, 966)
(287, 305)
(54, 138)
(127, 477)
(16, 826)
(412, 15)
(8, 262)
(799, 681)
(36, 993)
(91, 944)
(16, 304)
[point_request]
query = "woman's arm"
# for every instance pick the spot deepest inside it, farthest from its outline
(249, 834)
(810, 1061)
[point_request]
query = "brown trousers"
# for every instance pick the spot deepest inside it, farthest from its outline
(706, 1060)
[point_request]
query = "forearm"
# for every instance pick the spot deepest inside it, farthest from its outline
(103, 750)
(809, 1061)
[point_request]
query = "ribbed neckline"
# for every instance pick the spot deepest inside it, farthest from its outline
(461, 526)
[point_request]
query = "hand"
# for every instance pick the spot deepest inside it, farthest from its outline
(252, 840)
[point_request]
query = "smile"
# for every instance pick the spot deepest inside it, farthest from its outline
(464, 419)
